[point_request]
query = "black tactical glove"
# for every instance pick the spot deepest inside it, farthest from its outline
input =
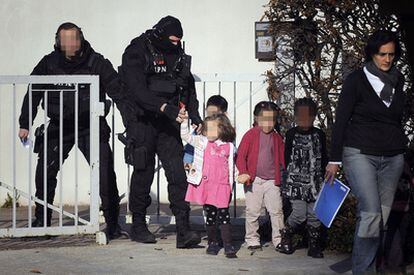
(171, 111)
(196, 120)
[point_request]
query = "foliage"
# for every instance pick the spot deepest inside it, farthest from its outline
(9, 201)
(318, 43)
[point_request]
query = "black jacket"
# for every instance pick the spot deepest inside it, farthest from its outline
(364, 122)
(89, 62)
(135, 79)
(306, 159)
(290, 136)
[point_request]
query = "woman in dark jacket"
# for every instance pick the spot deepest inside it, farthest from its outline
(368, 139)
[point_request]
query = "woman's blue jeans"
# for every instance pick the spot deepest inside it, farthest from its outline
(373, 181)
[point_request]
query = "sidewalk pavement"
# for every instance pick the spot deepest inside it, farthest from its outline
(126, 257)
(81, 254)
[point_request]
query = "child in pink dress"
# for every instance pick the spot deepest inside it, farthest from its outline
(211, 177)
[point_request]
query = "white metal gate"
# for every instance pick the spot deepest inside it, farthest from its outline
(78, 225)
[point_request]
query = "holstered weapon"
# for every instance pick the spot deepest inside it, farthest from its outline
(135, 156)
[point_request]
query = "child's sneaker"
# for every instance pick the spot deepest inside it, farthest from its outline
(255, 247)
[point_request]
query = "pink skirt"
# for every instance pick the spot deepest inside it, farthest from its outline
(217, 194)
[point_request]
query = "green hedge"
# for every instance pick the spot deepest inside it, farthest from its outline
(341, 234)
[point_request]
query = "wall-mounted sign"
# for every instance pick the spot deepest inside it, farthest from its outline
(265, 48)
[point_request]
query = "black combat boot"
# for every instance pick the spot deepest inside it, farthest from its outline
(229, 249)
(213, 246)
(139, 230)
(39, 221)
(113, 230)
(315, 249)
(186, 238)
(286, 245)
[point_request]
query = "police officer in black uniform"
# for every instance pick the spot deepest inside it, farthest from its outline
(74, 55)
(155, 72)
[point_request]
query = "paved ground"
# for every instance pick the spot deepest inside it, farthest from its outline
(81, 255)
(126, 257)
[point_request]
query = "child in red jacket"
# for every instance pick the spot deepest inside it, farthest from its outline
(259, 159)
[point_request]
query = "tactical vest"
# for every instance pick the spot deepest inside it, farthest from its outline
(53, 97)
(168, 84)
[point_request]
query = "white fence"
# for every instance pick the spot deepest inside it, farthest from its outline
(242, 92)
(19, 178)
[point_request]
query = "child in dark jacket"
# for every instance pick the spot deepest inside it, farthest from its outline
(306, 159)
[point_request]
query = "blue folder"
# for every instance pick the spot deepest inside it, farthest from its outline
(329, 201)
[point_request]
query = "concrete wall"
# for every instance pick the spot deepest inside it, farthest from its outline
(218, 34)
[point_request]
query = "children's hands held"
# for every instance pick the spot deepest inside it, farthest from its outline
(243, 178)
(182, 115)
(188, 166)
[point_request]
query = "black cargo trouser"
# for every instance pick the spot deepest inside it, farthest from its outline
(158, 135)
(108, 190)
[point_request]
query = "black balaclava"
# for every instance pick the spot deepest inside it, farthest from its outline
(161, 32)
